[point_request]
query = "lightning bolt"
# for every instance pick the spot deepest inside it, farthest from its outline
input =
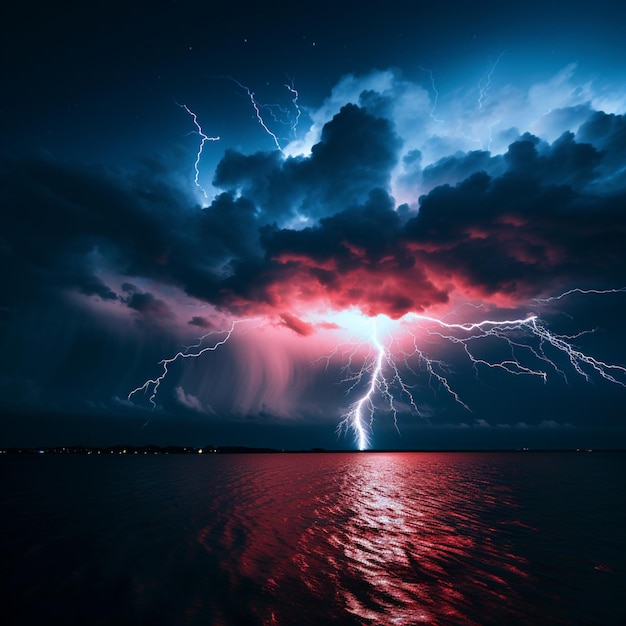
(581, 291)
(385, 359)
(296, 106)
(483, 86)
(485, 83)
(490, 138)
(483, 89)
(257, 109)
(354, 418)
(531, 326)
(436, 95)
(531, 346)
(203, 139)
(189, 352)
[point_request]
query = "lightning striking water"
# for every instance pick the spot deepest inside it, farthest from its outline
(386, 359)
(203, 139)
(354, 418)
(533, 350)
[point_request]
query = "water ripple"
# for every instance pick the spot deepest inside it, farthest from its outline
(317, 538)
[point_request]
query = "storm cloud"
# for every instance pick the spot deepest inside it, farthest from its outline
(125, 265)
(290, 232)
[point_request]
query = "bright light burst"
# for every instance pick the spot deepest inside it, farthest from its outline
(382, 358)
(383, 362)
(532, 350)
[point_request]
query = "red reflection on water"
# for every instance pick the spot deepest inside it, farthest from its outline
(382, 538)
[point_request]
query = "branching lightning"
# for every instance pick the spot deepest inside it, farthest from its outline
(203, 139)
(373, 367)
(581, 291)
(480, 113)
(296, 106)
(284, 116)
(151, 385)
(257, 110)
(383, 360)
(293, 123)
(485, 83)
(384, 363)
(435, 93)
(533, 350)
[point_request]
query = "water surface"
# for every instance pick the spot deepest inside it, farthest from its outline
(377, 538)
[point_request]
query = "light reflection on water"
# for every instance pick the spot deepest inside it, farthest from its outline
(414, 529)
(377, 538)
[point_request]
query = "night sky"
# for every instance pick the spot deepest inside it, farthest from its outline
(371, 182)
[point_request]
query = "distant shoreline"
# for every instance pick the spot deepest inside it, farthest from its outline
(209, 450)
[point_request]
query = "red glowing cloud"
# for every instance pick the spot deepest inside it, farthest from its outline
(374, 289)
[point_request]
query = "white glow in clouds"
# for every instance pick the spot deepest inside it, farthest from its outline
(381, 360)
(485, 116)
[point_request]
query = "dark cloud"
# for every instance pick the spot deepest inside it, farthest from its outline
(529, 227)
(354, 258)
(355, 154)
(63, 224)
(149, 306)
(607, 132)
(504, 227)
(531, 230)
(91, 285)
(199, 321)
(108, 270)
(453, 169)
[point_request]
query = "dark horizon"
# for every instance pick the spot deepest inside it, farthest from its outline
(42, 432)
(207, 450)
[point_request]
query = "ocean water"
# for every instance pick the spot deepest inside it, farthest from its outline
(328, 538)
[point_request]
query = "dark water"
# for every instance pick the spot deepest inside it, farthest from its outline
(389, 538)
